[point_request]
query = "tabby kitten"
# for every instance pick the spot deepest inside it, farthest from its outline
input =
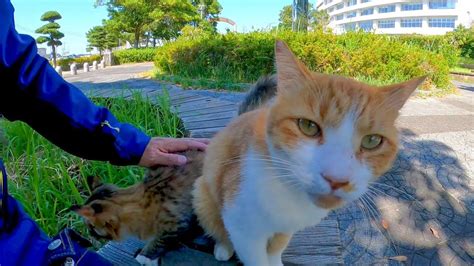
(157, 210)
(282, 167)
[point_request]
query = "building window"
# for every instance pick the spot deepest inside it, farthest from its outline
(412, 6)
(350, 27)
(386, 24)
(387, 9)
(441, 22)
(339, 17)
(351, 2)
(368, 11)
(339, 6)
(351, 14)
(411, 23)
(365, 1)
(441, 4)
(331, 10)
(366, 25)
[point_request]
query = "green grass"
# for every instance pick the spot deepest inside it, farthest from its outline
(459, 69)
(466, 60)
(47, 180)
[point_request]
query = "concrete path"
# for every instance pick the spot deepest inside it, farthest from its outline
(421, 212)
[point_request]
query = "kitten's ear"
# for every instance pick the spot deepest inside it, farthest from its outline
(290, 70)
(84, 211)
(396, 95)
(93, 182)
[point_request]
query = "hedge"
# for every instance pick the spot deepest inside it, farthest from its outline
(134, 55)
(65, 63)
(442, 44)
(242, 57)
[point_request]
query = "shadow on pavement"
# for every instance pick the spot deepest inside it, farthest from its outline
(421, 211)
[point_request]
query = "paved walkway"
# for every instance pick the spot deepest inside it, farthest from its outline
(421, 212)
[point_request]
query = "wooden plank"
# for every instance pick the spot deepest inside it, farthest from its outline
(198, 105)
(210, 111)
(190, 100)
(207, 124)
(321, 252)
(204, 117)
(119, 254)
(205, 108)
(320, 243)
(112, 93)
(204, 133)
(101, 92)
(177, 98)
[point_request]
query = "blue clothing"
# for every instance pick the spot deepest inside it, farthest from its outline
(32, 91)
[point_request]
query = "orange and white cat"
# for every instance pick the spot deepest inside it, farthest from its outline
(282, 167)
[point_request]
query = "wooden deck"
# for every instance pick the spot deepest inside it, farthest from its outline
(203, 117)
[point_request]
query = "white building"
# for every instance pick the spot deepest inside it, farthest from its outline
(430, 17)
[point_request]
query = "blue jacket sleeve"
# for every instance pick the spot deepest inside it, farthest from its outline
(32, 91)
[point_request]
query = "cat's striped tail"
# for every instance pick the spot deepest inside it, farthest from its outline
(261, 93)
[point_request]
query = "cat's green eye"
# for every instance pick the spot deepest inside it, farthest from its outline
(309, 128)
(371, 142)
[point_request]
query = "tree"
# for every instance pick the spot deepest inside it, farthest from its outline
(301, 12)
(169, 17)
(207, 8)
(316, 19)
(51, 34)
(131, 16)
(286, 18)
(100, 38)
(319, 19)
(159, 19)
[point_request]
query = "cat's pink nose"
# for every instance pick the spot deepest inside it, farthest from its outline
(337, 184)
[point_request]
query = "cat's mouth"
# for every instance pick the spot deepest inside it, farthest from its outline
(328, 201)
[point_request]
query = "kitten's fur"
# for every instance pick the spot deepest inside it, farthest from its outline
(157, 210)
(265, 179)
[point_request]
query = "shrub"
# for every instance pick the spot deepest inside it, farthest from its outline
(464, 38)
(65, 63)
(245, 57)
(444, 45)
(134, 55)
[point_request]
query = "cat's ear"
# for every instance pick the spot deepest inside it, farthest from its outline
(93, 182)
(396, 95)
(85, 211)
(290, 70)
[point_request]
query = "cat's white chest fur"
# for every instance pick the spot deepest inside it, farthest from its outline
(268, 202)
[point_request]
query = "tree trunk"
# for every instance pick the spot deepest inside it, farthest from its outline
(54, 55)
(154, 42)
(137, 38)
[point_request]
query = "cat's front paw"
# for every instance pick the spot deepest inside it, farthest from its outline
(223, 252)
(146, 261)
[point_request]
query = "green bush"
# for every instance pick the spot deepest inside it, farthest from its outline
(65, 63)
(134, 55)
(463, 38)
(442, 44)
(244, 57)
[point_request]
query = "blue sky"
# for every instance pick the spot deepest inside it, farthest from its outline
(81, 15)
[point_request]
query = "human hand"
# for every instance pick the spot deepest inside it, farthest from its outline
(161, 151)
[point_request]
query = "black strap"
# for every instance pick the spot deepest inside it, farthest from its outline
(3, 194)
